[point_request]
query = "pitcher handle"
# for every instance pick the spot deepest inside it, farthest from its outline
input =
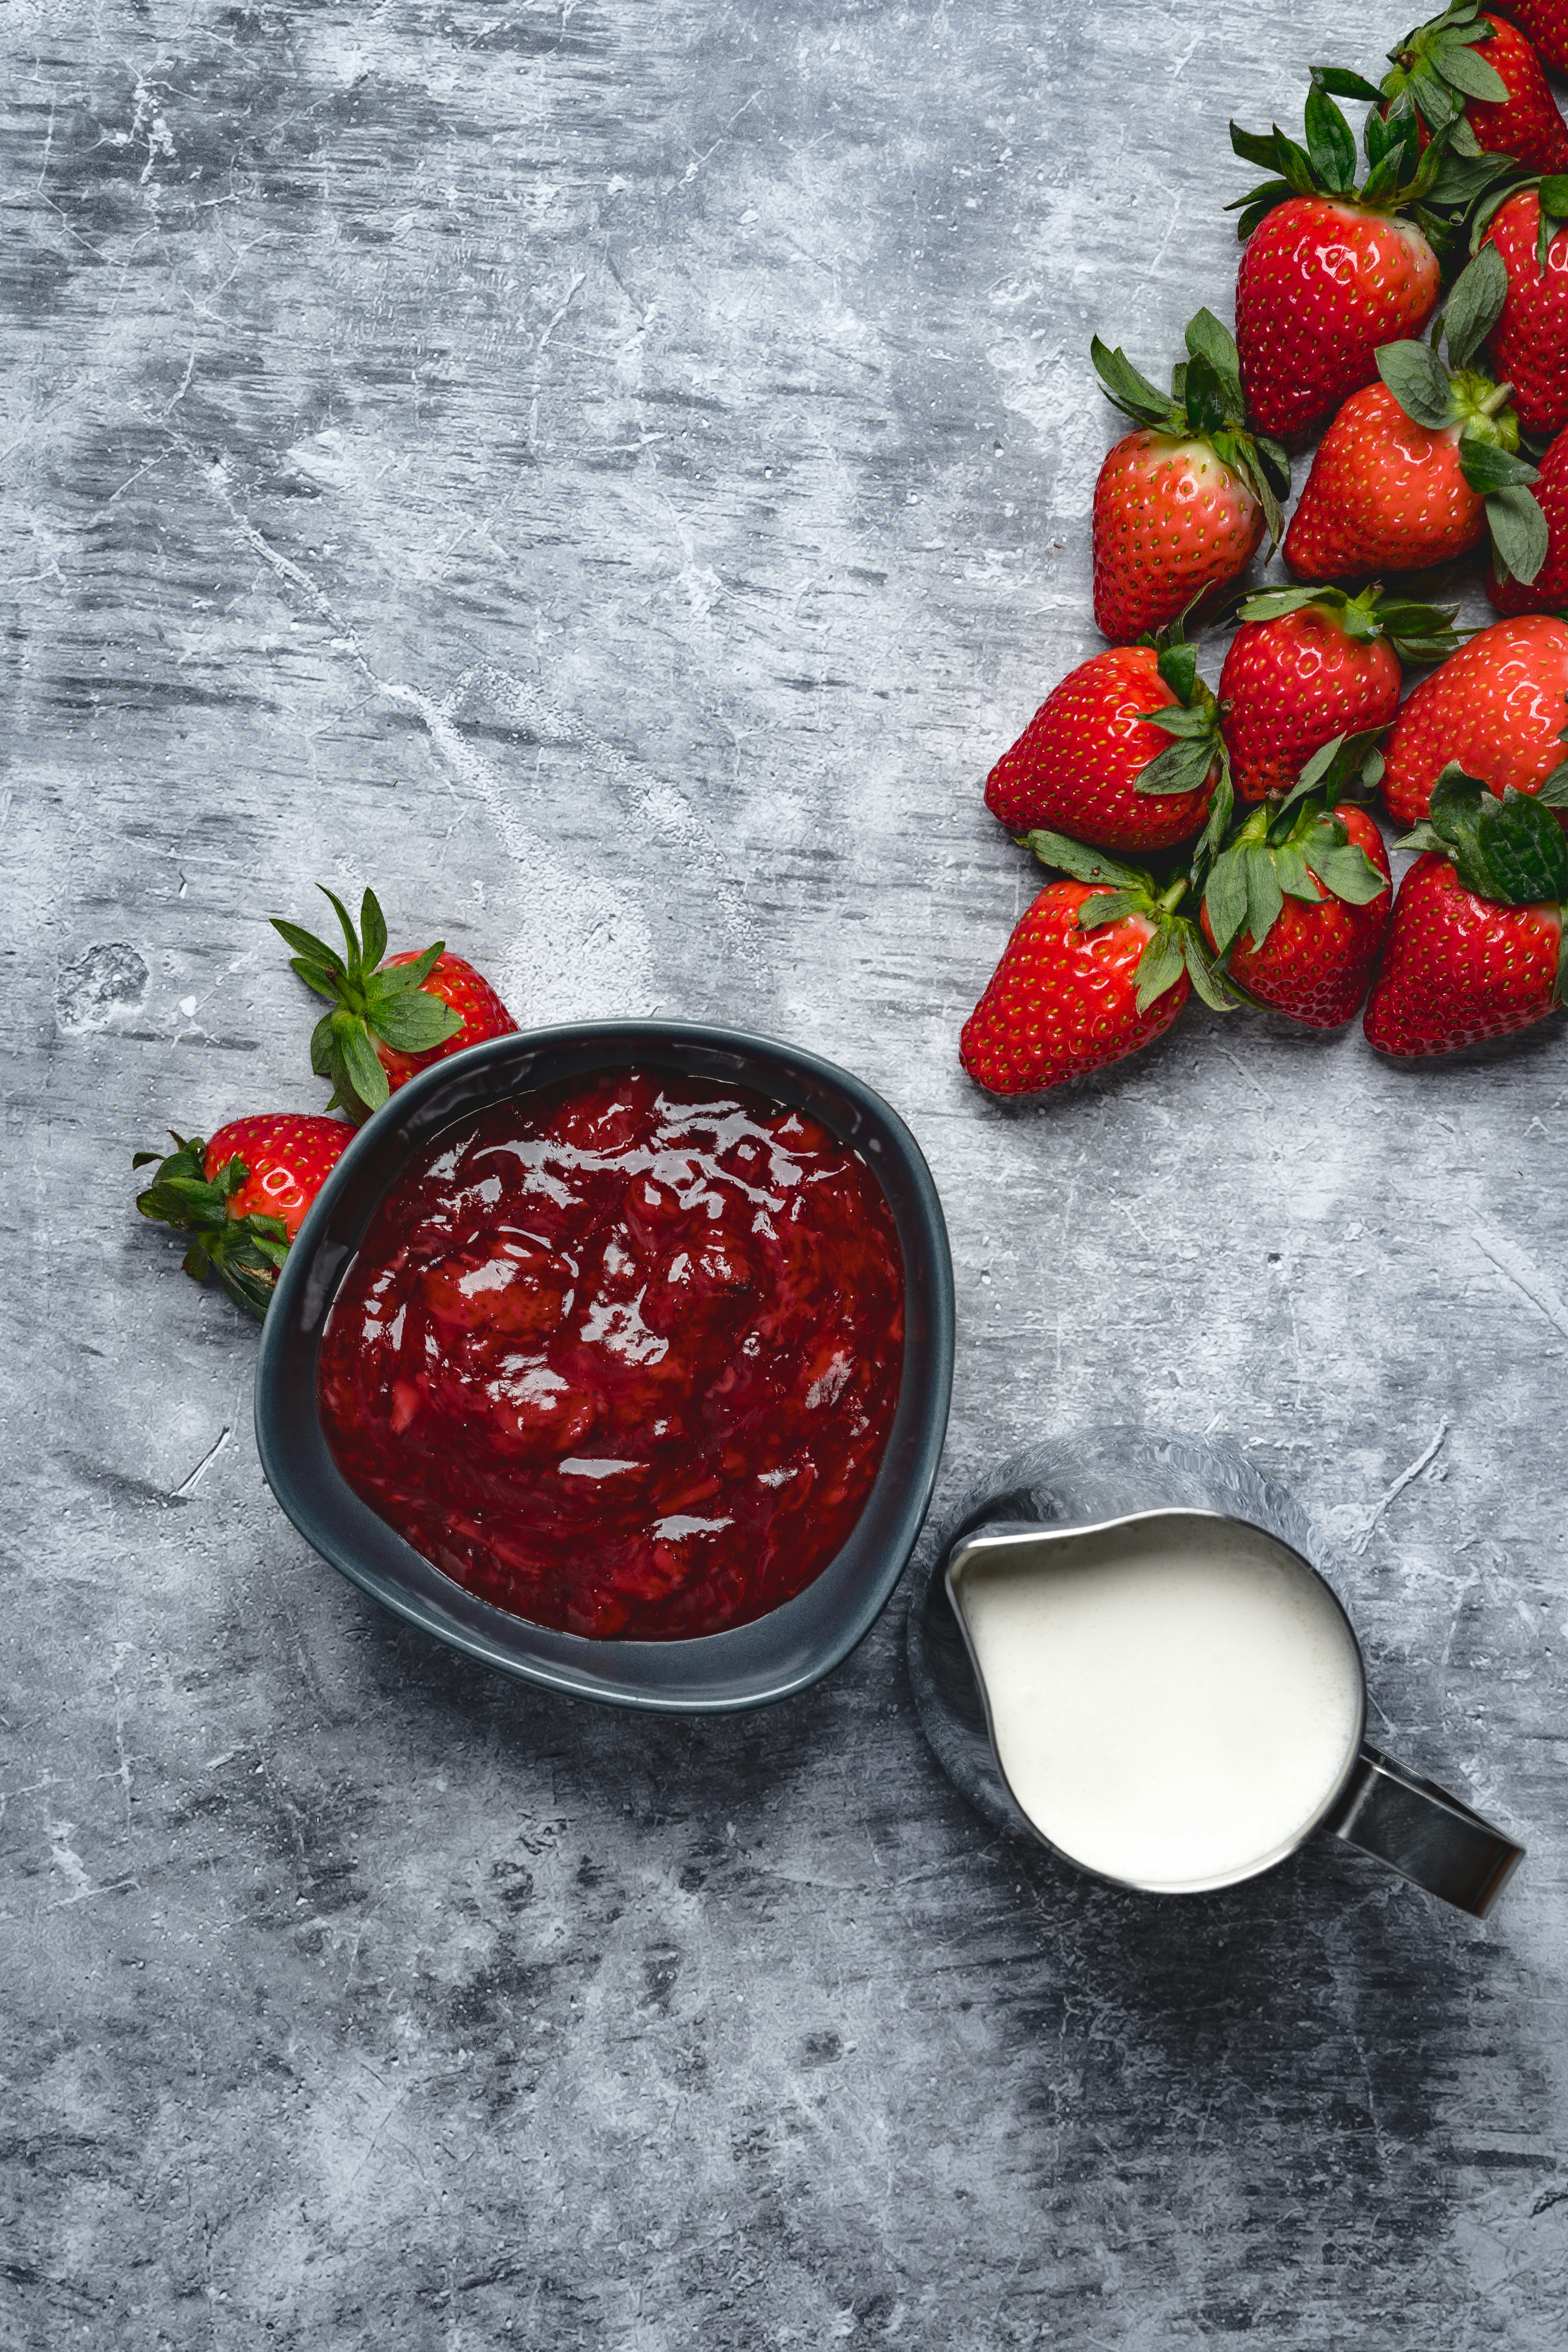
(1423, 1834)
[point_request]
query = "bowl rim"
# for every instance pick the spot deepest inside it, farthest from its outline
(411, 1587)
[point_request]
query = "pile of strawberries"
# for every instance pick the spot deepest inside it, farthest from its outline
(242, 1193)
(1422, 315)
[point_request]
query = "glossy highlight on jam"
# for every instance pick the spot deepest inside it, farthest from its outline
(622, 1356)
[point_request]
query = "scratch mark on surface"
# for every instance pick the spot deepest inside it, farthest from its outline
(1400, 1484)
(1524, 1275)
(214, 1450)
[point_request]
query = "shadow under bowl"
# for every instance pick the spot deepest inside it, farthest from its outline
(750, 1666)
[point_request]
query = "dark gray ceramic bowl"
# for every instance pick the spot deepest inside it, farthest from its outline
(783, 1653)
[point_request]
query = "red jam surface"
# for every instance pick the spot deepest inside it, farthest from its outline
(622, 1356)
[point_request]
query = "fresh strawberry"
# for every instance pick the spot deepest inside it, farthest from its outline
(1297, 904)
(1548, 592)
(1498, 708)
(1475, 950)
(1474, 74)
(1529, 344)
(1545, 21)
(1098, 966)
(1417, 468)
(242, 1195)
(1330, 271)
(1098, 760)
(1310, 663)
(1180, 506)
(391, 1018)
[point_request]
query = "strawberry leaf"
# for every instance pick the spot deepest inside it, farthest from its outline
(359, 1062)
(1330, 142)
(1178, 667)
(1457, 808)
(1239, 451)
(1474, 306)
(1109, 906)
(1211, 840)
(1160, 966)
(373, 931)
(1471, 76)
(1203, 396)
(325, 983)
(1291, 867)
(1520, 536)
(1420, 383)
(1486, 464)
(1208, 340)
(1176, 720)
(382, 986)
(1083, 863)
(1345, 868)
(1342, 83)
(414, 1023)
(1202, 971)
(1256, 146)
(1128, 391)
(354, 960)
(322, 1045)
(306, 947)
(1553, 792)
(1526, 849)
(1272, 604)
(1183, 769)
(1265, 900)
(1225, 898)
(1333, 769)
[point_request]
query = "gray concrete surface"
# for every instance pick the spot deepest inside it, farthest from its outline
(614, 476)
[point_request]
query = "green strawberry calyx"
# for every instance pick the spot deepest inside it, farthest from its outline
(245, 1252)
(1176, 944)
(1206, 403)
(1297, 848)
(1436, 69)
(1457, 400)
(1418, 632)
(368, 1004)
(1193, 720)
(1511, 851)
(1400, 177)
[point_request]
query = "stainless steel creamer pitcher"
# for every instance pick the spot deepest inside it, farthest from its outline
(1056, 1501)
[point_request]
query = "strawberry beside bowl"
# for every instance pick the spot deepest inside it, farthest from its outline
(770, 1656)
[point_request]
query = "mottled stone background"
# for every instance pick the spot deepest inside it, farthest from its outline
(615, 475)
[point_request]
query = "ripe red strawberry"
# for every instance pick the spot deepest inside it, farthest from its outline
(1098, 760)
(1472, 64)
(1310, 663)
(242, 1195)
(1330, 272)
(391, 1018)
(1498, 708)
(1098, 966)
(1548, 592)
(1180, 506)
(1475, 950)
(1529, 344)
(1297, 904)
(1545, 21)
(1417, 468)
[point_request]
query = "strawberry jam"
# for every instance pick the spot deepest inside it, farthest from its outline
(622, 1356)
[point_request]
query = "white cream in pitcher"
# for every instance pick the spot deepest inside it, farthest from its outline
(1174, 1701)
